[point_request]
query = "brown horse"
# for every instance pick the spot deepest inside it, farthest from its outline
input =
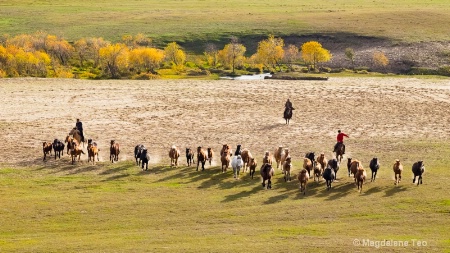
(360, 177)
(47, 148)
(278, 154)
(267, 174)
(76, 135)
(201, 157)
(210, 155)
(398, 168)
(225, 159)
(92, 151)
(252, 166)
(318, 171)
(174, 154)
(114, 151)
(303, 178)
(69, 140)
(308, 165)
(75, 151)
(267, 158)
(287, 166)
(246, 157)
(339, 152)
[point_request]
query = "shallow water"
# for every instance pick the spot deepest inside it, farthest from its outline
(248, 77)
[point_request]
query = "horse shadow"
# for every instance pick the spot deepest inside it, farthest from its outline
(271, 127)
(154, 170)
(242, 194)
(117, 169)
(337, 192)
(394, 190)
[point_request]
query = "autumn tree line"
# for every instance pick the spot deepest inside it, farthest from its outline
(45, 55)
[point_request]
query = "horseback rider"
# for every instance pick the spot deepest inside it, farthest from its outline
(340, 140)
(288, 104)
(79, 127)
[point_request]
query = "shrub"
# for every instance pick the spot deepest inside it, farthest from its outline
(145, 76)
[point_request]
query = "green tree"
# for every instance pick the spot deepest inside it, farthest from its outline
(350, 54)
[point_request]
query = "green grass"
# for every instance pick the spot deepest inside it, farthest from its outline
(195, 21)
(119, 208)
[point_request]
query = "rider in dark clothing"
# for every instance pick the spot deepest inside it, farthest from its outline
(288, 104)
(79, 126)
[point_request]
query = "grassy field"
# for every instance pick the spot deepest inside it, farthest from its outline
(119, 208)
(208, 20)
(54, 206)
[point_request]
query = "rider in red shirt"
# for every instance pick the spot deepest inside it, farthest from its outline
(340, 139)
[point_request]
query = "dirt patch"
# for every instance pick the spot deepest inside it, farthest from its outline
(159, 114)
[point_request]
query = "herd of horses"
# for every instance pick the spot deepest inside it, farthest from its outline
(74, 148)
(314, 167)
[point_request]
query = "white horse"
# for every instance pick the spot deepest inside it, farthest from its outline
(237, 164)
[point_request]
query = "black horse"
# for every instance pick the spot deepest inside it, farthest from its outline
(334, 164)
(137, 153)
(144, 158)
(329, 175)
(418, 169)
(58, 147)
(374, 166)
(287, 115)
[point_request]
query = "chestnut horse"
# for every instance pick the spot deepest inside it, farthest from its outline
(202, 156)
(114, 151)
(76, 135)
(75, 151)
(174, 154)
(267, 174)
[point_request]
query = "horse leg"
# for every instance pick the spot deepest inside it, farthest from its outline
(203, 165)
(263, 183)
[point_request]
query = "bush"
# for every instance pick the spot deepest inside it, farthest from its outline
(198, 72)
(338, 70)
(363, 72)
(145, 76)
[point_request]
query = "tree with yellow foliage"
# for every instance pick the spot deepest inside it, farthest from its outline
(313, 53)
(175, 55)
(114, 59)
(145, 59)
(232, 55)
(270, 52)
(211, 53)
(380, 59)
(15, 61)
(59, 48)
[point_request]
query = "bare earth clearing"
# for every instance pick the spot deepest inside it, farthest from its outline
(376, 112)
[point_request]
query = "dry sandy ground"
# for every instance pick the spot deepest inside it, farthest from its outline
(186, 113)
